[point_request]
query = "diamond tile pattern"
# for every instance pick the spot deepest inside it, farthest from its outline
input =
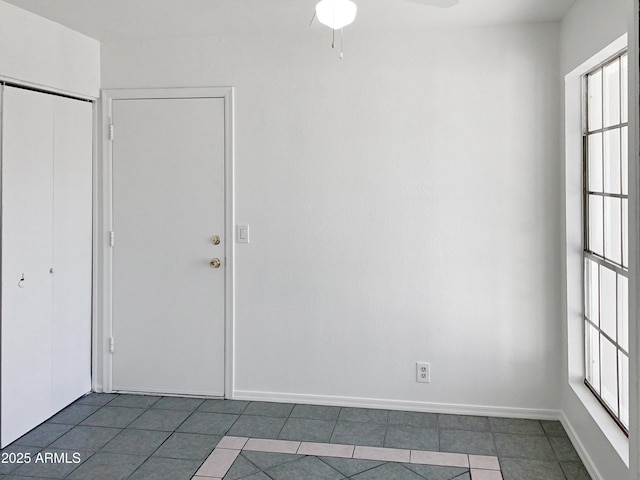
(388, 471)
(141, 437)
(241, 468)
(306, 467)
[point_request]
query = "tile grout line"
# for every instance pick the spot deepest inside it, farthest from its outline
(386, 431)
(171, 433)
(158, 447)
(335, 423)
(146, 409)
(475, 472)
(100, 407)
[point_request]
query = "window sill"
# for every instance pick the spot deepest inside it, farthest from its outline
(605, 423)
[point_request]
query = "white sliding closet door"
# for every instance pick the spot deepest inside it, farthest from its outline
(46, 257)
(27, 225)
(72, 254)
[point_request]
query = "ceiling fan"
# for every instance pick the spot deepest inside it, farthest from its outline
(337, 14)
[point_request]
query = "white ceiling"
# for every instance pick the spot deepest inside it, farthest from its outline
(118, 19)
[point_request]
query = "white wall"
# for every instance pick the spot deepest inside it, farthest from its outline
(588, 27)
(403, 206)
(45, 54)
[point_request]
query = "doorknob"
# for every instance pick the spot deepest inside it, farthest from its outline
(215, 240)
(215, 263)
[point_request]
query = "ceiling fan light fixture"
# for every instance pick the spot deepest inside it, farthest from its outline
(336, 14)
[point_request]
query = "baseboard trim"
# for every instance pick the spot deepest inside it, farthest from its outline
(164, 393)
(389, 404)
(580, 449)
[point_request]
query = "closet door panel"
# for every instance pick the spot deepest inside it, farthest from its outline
(27, 223)
(72, 250)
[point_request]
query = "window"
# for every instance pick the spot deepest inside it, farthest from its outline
(606, 251)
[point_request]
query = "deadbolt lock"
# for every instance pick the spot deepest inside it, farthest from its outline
(215, 263)
(215, 240)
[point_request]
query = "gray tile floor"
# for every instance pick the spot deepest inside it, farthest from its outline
(109, 437)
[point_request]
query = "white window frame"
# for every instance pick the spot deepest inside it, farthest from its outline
(590, 407)
(600, 259)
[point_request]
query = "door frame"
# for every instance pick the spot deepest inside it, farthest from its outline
(103, 323)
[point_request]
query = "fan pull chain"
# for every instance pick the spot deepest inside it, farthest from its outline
(341, 43)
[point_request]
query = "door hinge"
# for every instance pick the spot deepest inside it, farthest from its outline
(110, 344)
(111, 131)
(112, 240)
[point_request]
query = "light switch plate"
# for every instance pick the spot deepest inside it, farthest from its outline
(242, 233)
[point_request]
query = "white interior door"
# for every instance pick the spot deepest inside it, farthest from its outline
(168, 202)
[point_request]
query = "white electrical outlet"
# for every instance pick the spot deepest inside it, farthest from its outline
(423, 372)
